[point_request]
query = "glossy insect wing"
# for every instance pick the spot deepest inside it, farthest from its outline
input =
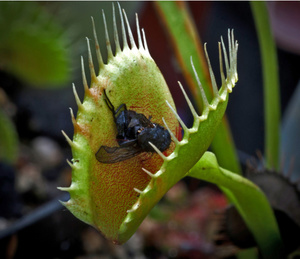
(111, 155)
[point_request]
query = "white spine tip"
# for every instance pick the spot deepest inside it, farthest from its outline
(132, 42)
(70, 142)
(171, 133)
(138, 191)
(145, 41)
(98, 51)
(185, 128)
(140, 42)
(116, 35)
(72, 116)
(91, 64)
(84, 81)
(64, 189)
(108, 45)
(158, 151)
(202, 92)
(70, 164)
(148, 172)
(212, 76)
(195, 115)
(78, 102)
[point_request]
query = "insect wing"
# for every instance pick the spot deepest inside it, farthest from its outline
(145, 122)
(110, 155)
(140, 119)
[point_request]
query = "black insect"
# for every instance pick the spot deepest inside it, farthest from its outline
(135, 132)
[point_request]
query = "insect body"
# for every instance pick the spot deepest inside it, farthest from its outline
(135, 132)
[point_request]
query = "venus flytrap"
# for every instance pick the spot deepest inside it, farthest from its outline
(101, 194)
(115, 198)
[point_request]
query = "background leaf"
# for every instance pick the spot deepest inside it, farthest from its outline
(33, 46)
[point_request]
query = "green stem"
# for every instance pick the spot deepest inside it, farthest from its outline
(270, 83)
(249, 200)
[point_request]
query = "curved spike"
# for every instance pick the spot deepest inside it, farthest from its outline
(235, 58)
(132, 42)
(137, 190)
(138, 32)
(232, 50)
(145, 41)
(231, 57)
(212, 76)
(64, 189)
(98, 52)
(223, 80)
(191, 106)
(63, 203)
(91, 64)
(85, 84)
(235, 61)
(70, 164)
(225, 57)
(78, 102)
(229, 48)
(203, 95)
(231, 63)
(70, 142)
(108, 46)
(148, 172)
(116, 36)
(125, 44)
(171, 133)
(185, 128)
(221, 64)
(73, 117)
(158, 151)
(232, 38)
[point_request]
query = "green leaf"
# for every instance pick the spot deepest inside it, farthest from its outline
(33, 47)
(250, 201)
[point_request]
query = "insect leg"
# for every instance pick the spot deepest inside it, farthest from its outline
(109, 104)
(123, 105)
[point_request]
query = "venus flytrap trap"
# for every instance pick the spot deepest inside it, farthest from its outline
(102, 194)
(115, 198)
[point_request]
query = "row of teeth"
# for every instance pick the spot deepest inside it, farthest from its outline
(219, 96)
(231, 69)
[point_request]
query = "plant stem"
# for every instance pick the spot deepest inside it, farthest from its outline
(249, 200)
(270, 83)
